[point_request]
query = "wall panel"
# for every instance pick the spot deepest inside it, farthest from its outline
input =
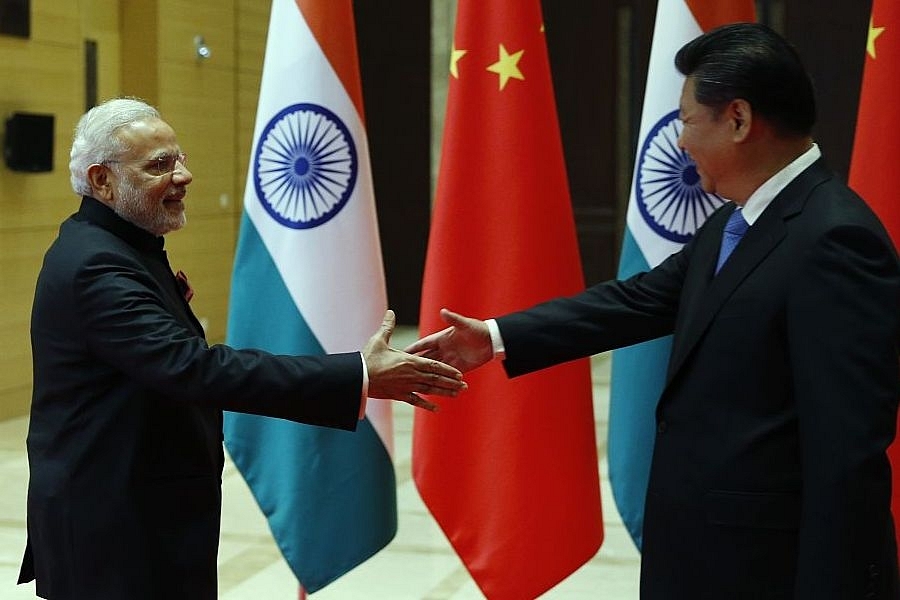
(142, 51)
(55, 22)
(100, 22)
(39, 78)
(252, 27)
(21, 253)
(42, 74)
(214, 20)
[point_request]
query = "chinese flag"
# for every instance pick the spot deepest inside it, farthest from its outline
(877, 147)
(508, 469)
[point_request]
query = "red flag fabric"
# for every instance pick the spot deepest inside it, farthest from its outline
(876, 148)
(508, 469)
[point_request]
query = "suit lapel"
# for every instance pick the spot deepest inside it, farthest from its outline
(713, 291)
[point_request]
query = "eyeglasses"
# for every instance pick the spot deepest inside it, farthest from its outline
(161, 165)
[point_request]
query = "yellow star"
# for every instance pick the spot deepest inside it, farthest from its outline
(455, 55)
(507, 66)
(874, 32)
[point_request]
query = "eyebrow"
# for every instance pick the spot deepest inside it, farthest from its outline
(165, 154)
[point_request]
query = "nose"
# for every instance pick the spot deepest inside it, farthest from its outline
(181, 174)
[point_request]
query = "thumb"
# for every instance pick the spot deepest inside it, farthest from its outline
(387, 326)
(452, 318)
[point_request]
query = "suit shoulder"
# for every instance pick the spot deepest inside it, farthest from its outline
(836, 217)
(81, 242)
(832, 204)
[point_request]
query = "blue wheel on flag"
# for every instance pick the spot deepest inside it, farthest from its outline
(668, 189)
(305, 166)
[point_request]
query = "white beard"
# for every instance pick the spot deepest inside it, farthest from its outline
(133, 206)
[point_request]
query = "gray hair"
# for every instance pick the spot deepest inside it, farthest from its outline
(96, 136)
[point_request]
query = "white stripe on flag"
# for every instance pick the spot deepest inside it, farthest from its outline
(333, 271)
(661, 97)
(345, 296)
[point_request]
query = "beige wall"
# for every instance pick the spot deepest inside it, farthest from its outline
(146, 49)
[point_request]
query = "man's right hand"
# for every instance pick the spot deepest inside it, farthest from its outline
(465, 344)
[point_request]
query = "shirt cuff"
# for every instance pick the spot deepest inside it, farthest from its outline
(496, 339)
(365, 389)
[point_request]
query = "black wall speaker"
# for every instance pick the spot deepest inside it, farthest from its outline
(28, 144)
(15, 18)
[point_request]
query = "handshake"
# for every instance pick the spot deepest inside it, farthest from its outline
(432, 365)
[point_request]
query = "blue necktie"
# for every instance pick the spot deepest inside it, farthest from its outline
(735, 229)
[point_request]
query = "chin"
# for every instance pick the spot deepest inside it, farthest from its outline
(177, 223)
(168, 224)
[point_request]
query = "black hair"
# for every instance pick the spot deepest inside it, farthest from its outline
(752, 62)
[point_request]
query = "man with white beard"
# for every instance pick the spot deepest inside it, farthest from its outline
(125, 437)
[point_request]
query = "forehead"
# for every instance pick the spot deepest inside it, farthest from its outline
(687, 94)
(688, 105)
(147, 136)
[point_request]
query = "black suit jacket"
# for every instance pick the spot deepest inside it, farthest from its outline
(125, 437)
(769, 476)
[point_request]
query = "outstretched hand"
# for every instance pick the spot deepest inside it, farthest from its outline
(465, 344)
(397, 375)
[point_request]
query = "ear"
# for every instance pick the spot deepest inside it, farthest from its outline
(98, 178)
(740, 113)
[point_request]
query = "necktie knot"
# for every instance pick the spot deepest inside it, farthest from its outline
(737, 224)
(735, 229)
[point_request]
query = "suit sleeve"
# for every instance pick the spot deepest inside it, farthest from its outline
(128, 325)
(608, 315)
(842, 322)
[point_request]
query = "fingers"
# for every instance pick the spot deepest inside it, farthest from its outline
(437, 385)
(441, 380)
(442, 369)
(441, 386)
(420, 402)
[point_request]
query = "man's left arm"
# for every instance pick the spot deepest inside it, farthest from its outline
(842, 326)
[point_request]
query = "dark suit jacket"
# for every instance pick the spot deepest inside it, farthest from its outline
(769, 476)
(125, 438)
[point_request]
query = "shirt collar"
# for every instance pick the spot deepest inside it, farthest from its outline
(764, 194)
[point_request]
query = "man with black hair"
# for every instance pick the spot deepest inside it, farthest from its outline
(769, 477)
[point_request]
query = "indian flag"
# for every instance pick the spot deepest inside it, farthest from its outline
(308, 279)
